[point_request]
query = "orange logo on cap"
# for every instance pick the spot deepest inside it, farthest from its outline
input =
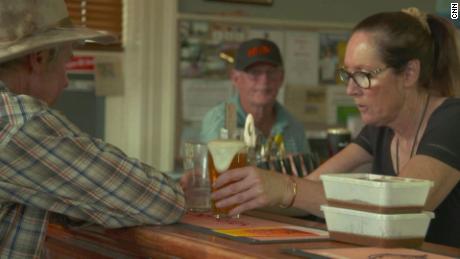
(259, 50)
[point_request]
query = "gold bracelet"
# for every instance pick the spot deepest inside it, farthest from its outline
(294, 194)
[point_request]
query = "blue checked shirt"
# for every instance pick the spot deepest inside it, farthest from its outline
(293, 131)
(47, 165)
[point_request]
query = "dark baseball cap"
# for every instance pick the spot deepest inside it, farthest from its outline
(255, 51)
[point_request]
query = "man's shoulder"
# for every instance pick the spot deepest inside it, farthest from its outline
(16, 111)
(215, 112)
(212, 122)
(291, 120)
(217, 108)
(18, 108)
(218, 111)
(23, 111)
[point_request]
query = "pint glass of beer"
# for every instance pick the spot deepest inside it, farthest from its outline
(224, 154)
(337, 139)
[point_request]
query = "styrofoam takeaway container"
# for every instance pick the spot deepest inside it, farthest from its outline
(366, 228)
(376, 193)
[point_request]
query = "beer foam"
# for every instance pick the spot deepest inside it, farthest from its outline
(223, 151)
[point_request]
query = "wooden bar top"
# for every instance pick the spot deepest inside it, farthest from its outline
(179, 241)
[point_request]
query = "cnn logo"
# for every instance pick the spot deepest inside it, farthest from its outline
(454, 11)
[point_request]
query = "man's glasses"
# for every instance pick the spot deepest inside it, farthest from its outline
(271, 73)
(361, 78)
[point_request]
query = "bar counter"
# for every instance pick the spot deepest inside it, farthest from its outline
(182, 242)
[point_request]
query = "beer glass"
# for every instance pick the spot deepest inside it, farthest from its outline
(224, 154)
(337, 139)
(198, 191)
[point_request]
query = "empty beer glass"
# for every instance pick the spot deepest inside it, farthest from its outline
(198, 190)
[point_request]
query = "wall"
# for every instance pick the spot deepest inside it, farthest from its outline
(348, 11)
(141, 122)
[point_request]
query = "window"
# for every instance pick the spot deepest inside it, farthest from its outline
(98, 14)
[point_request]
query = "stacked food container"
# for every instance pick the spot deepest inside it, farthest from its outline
(376, 210)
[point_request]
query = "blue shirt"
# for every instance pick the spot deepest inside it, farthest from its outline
(293, 131)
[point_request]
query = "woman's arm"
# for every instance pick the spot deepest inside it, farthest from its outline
(252, 188)
(346, 160)
(310, 191)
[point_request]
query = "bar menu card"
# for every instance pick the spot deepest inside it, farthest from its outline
(253, 230)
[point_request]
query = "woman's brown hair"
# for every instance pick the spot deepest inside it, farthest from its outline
(401, 37)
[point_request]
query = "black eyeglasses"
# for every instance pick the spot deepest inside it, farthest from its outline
(361, 78)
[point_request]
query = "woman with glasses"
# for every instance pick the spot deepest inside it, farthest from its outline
(401, 68)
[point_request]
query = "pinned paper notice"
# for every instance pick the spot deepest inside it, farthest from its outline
(108, 74)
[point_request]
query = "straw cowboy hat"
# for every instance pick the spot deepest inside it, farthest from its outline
(32, 25)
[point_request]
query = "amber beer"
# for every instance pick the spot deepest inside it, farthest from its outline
(223, 155)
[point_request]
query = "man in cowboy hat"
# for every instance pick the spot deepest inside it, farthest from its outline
(48, 167)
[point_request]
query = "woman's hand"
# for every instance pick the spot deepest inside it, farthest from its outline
(250, 188)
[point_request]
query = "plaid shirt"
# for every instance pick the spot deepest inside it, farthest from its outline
(48, 165)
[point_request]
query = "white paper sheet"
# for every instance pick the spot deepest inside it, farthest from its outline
(302, 55)
(200, 95)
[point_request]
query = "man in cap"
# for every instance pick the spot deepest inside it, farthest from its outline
(48, 167)
(257, 76)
